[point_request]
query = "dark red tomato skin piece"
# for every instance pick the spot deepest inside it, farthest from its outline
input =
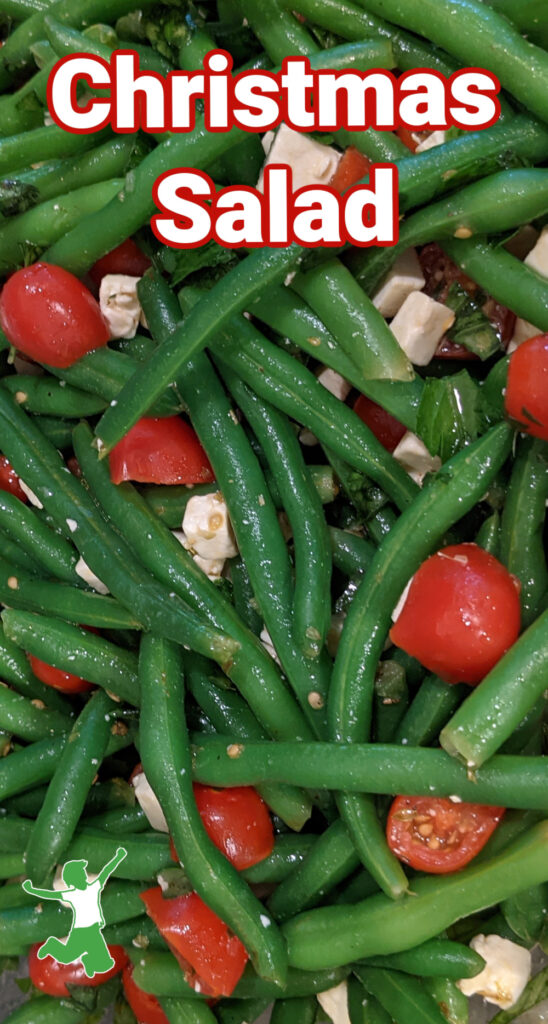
(462, 613)
(386, 428)
(49, 315)
(436, 835)
(9, 481)
(212, 959)
(405, 136)
(353, 166)
(145, 1007)
(126, 258)
(52, 978)
(526, 398)
(238, 822)
(66, 682)
(160, 451)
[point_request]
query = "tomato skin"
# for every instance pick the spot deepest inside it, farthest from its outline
(160, 451)
(406, 136)
(9, 481)
(386, 428)
(434, 834)
(462, 613)
(353, 166)
(66, 682)
(126, 258)
(145, 1007)
(210, 956)
(52, 978)
(237, 821)
(49, 315)
(526, 398)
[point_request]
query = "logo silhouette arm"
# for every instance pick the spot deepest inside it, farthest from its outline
(119, 856)
(43, 894)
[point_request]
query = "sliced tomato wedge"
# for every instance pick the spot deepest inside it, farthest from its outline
(386, 428)
(49, 315)
(438, 835)
(237, 821)
(145, 1007)
(9, 481)
(212, 959)
(126, 258)
(353, 166)
(526, 398)
(52, 977)
(160, 451)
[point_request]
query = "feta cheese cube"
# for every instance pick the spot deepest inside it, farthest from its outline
(415, 458)
(311, 162)
(523, 330)
(419, 326)
(84, 572)
(333, 382)
(149, 803)
(432, 139)
(405, 277)
(537, 259)
(213, 567)
(120, 305)
(335, 1003)
(207, 527)
(34, 500)
(505, 975)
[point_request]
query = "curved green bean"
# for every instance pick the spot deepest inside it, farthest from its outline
(521, 539)
(48, 549)
(403, 997)
(29, 720)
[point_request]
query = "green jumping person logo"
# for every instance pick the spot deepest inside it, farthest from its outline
(85, 940)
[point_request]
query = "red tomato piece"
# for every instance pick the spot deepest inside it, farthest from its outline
(449, 350)
(405, 136)
(436, 835)
(145, 1007)
(9, 481)
(526, 398)
(462, 613)
(211, 957)
(160, 451)
(126, 258)
(237, 821)
(440, 272)
(386, 428)
(49, 315)
(52, 978)
(66, 682)
(353, 166)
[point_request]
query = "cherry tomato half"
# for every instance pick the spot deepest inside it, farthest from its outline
(49, 315)
(386, 428)
(237, 821)
(145, 1007)
(436, 835)
(52, 978)
(66, 682)
(158, 451)
(353, 166)
(211, 957)
(461, 614)
(526, 398)
(126, 258)
(9, 481)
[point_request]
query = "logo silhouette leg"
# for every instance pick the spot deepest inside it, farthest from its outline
(96, 959)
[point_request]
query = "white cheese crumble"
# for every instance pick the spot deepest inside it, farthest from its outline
(335, 383)
(311, 162)
(149, 803)
(84, 572)
(415, 458)
(505, 975)
(537, 258)
(419, 326)
(213, 567)
(120, 305)
(335, 1003)
(523, 330)
(34, 500)
(207, 527)
(404, 278)
(266, 641)
(432, 139)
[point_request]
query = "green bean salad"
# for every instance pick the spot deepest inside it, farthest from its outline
(273, 578)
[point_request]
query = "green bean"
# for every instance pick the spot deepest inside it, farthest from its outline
(187, 1011)
(503, 276)
(290, 316)
(240, 1011)
(24, 109)
(358, 327)
(75, 650)
(29, 720)
(391, 699)
(120, 820)
(166, 760)
(66, 41)
(404, 998)
(488, 536)
(289, 851)
(507, 780)
(28, 767)
(525, 913)
(363, 1008)
(51, 397)
(57, 431)
(529, 17)
(231, 715)
(495, 708)
(162, 554)
(15, 670)
(48, 143)
(103, 549)
(137, 933)
(429, 711)
(12, 895)
(48, 549)
(311, 611)
(47, 1010)
(244, 599)
(352, 554)
(527, 730)
(358, 888)
(331, 859)
(456, 489)
(522, 547)
(295, 1011)
(451, 1001)
(436, 958)
(253, 516)
(11, 864)
(64, 802)
(21, 9)
(57, 177)
(475, 35)
(17, 557)
(147, 854)
(330, 936)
